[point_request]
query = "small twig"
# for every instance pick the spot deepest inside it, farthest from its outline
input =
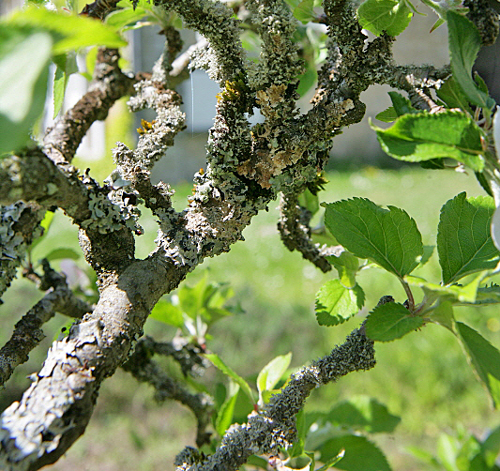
(146, 370)
(28, 333)
(187, 355)
(296, 233)
(409, 295)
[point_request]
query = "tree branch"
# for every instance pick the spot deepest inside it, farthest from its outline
(19, 226)
(28, 333)
(296, 233)
(146, 370)
(274, 427)
(109, 84)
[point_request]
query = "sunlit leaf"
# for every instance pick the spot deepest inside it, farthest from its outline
(217, 361)
(167, 313)
(347, 266)
(335, 303)
(226, 411)
(388, 237)
(390, 16)
(69, 32)
(425, 136)
(24, 61)
(464, 44)
(484, 357)
(273, 372)
(464, 240)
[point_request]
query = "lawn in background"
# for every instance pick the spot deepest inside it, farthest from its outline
(424, 377)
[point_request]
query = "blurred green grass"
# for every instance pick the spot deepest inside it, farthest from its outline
(424, 377)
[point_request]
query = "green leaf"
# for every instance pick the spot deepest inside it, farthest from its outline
(309, 201)
(496, 131)
(464, 240)
(451, 93)
(433, 164)
(58, 254)
(68, 32)
(24, 65)
(304, 11)
(425, 136)
(401, 104)
(191, 299)
(363, 413)
(391, 321)
(46, 223)
(457, 294)
(488, 295)
(90, 61)
(226, 411)
(360, 454)
(347, 265)
(307, 79)
(484, 182)
(491, 447)
(484, 357)
(387, 116)
(388, 237)
(426, 255)
(297, 448)
(60, 82)
(447, 450)
(120, 18)
(391, 16)
(66, 65)
(335, 303)
(217, 361)
(272, 373)
(331, 462)
(442, 314)
(465, 43)
(258, 462)
(167, 313)
(424, 456)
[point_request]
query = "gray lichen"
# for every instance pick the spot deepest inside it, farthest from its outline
(214, 20)
(111, 211)
(12, 242)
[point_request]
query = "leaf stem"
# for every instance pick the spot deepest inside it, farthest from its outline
(409, 294)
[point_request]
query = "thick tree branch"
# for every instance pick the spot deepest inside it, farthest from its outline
(214, 20)
(246, 168)
(274, 427)
(109, 84)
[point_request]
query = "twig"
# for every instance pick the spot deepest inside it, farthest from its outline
(146, 370)
(296, 233)
(186, 354)
(28, 333)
